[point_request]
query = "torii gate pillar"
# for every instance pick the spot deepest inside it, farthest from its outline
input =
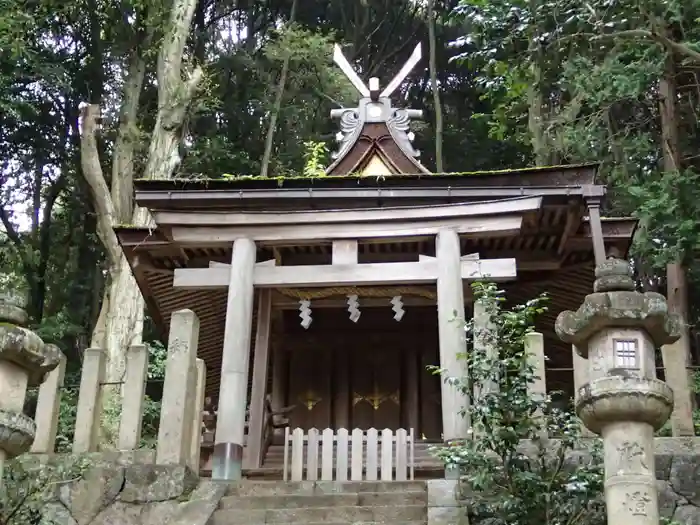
(230, 425)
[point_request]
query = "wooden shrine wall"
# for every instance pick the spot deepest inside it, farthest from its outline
(366, 374)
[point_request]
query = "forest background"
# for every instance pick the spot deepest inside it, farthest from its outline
(97, 93)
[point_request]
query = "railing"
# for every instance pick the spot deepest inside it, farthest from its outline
(363, 455)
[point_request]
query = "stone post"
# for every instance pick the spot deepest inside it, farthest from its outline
(132, 401)
(450, 310)
(89, 411)
(483, 343)
(47, 408)
(617, 330)
(195, 451)
(534, 347)
(24, 362)
(175, 428)
(233, 392)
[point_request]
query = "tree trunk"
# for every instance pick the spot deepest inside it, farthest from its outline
(120, 321)
(536, 112)
(435, 88)
(536, 120)
(676, 357)
(265, 164)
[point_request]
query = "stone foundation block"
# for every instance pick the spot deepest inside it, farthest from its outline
(447, 516)
(687, 515)
(87, 497)
(201, 506)
(669, 500)
(149, 483)
(119, 514)
(56, 513)
(443, 493)
(684, 476)
(445, 505)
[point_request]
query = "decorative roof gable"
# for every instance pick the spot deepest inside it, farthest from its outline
(374, 137)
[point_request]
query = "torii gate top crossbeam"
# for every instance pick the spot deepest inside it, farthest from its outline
(470, 219)
(505, 217)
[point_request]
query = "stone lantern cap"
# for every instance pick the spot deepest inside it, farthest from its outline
(616, 304)
(23, 347)
(17, 433)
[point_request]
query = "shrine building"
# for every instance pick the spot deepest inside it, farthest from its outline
(328, 297)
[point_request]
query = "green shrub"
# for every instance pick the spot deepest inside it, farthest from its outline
(512, 474)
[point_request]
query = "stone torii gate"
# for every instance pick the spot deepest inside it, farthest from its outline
(343, 228)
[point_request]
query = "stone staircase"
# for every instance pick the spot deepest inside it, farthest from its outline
(324, 503)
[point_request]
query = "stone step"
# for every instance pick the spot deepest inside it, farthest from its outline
(348, 515)
(421, 522)
(315, 488)
(296, 501)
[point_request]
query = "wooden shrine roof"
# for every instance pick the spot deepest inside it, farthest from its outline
(250, 192)
(553, 250)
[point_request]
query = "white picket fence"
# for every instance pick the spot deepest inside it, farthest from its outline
(361, 455)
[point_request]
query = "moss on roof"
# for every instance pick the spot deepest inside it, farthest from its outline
(280, 179)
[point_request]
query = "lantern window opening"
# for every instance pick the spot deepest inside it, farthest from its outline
(626, 353)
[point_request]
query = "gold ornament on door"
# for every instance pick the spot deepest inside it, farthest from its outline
(310, 399)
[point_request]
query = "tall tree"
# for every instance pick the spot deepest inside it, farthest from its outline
(120, 323)
(435, 86)
(277, 106)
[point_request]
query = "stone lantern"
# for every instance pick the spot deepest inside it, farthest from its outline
(24, 362)
(618, 329)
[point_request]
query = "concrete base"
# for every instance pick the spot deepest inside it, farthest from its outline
(444, 504)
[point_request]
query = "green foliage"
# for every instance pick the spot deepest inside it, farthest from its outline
(314, 86)
(28, 486)
(582, 80)
(513, 475)
(151, 408)
(669, 205)
(68, 411)
(314, 159)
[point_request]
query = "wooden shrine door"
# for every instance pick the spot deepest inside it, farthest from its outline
(375, 386)
(310, 373)
(335, 387)
(366, 375)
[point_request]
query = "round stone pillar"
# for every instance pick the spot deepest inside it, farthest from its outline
(24, 362)
(617, 330)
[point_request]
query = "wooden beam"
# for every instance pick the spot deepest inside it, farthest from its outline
(528, 260)
(474, 227)
(596, 228)
(404, 273)
(345, 252)
(348, 216)
(573, 221)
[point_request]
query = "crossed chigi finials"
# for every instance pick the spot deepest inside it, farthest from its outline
(374, 106)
